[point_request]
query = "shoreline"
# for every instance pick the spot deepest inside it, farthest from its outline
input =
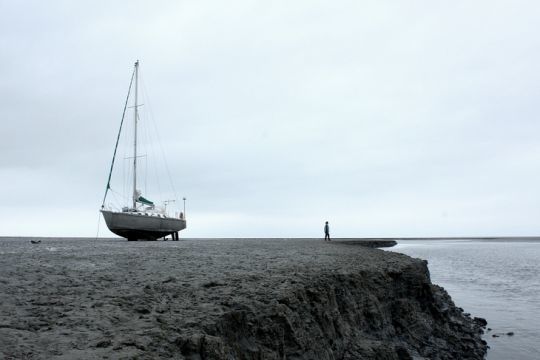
(477, 238)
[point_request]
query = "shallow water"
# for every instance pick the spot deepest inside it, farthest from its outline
(493, 279)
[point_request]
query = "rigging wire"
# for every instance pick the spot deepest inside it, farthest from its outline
(123, 199)
(153, 164)
(108, 187)
(151, 133)
(118, 139)
(128, 165)
(146, 145)
(124, 181)
(159, 139)
(146, 175)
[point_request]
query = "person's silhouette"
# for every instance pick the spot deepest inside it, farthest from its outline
(326, 232)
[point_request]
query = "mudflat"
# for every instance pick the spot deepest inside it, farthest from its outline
(223, 299)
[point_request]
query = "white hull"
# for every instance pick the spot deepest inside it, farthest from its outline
(139, 226)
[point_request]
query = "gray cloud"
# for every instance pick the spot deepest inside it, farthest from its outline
(412, 119)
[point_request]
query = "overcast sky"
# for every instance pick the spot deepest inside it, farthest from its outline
(410, 118)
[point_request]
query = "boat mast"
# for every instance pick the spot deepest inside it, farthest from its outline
(135, 118)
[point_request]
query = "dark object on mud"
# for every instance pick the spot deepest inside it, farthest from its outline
(480, 321)
(169, 279)
(142, 310)
(104, 343)
(510, 333)
(213, 283)
(35, 241)
(371, 243)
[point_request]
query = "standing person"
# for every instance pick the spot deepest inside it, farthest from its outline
(326, 232)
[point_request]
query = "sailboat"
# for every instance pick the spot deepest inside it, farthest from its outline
(142, 220)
